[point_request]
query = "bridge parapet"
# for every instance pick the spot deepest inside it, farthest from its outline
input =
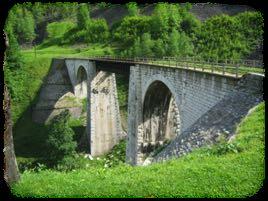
(226, 67)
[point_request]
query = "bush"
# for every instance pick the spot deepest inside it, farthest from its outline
(68, 163)
(225, 37)
(57, 30)
(97, 31)
(117, 155)
(60, 141)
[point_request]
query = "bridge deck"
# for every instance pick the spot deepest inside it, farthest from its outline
(223, 69)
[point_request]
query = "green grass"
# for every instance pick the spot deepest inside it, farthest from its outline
(202, 173)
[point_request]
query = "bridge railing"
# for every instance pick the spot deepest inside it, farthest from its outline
(237, 67)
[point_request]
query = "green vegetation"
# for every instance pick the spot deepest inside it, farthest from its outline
(224, 37)
(60, 139)
(172, 29)
(206, 172)
(232, 169)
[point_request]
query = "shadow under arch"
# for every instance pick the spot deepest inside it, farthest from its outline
(161, 117)
(81, 82)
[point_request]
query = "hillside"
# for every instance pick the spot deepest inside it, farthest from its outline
(233, 169)
(201, 10)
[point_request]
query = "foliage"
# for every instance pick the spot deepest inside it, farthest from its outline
(208, 175)
(13, 63)
(82, 16)
(60, 139)
(117, 155)
(103, 5)
(159, 48)
(131, 28)
(224, 37)
(97, 31)
(57, 30)
(132, 8)
(22, 21)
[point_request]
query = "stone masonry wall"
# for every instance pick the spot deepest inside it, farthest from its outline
(195, 94)
(220, 120)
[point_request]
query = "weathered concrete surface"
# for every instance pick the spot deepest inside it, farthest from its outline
(195, 94)
(54, 94)
(68, 81)
(105, 121)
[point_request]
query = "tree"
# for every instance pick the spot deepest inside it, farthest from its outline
(159, 48)
(172, 44)
(97, 31)
(60, 138)
(131, 28)
(146, 45)
(13, 55)
(160, 20)
(132, 8)
(178, 44)
(136, 48)
(174, 17)
(82, 16)
(24, 25)
(11, 172)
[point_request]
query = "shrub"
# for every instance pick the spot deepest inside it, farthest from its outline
(68, 163)
(57, 30)
(97, 31)
(60, 141)
(117, 155)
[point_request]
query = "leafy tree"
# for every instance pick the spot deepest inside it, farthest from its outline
(132, 8)
(136, 48)
(131, 28)
(60, 138)
(13, 56)
(160, 21)
(146, 45)
(172, 44)
(23, 24)
(97, 31)
(225, 37)
(178, 44)
(82, 16)
(174, 17)
(159, 48)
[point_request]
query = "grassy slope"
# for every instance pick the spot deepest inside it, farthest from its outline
(29, 137)
(199, 174)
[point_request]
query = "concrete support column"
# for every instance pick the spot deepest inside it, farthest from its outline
(135, 131)
(105, 124)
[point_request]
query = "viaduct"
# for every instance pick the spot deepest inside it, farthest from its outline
(181, 108)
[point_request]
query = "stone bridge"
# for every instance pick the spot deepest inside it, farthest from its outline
(175, 108)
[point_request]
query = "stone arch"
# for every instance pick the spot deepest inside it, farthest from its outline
(159, 77)
(160, 114)
(81, 82)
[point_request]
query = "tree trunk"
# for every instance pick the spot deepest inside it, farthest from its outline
(11, 172)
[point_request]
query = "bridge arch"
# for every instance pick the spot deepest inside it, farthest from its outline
(81, 82)
(161, 117)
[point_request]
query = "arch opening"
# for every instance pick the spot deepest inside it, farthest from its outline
(81, 85)
(161, 118)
